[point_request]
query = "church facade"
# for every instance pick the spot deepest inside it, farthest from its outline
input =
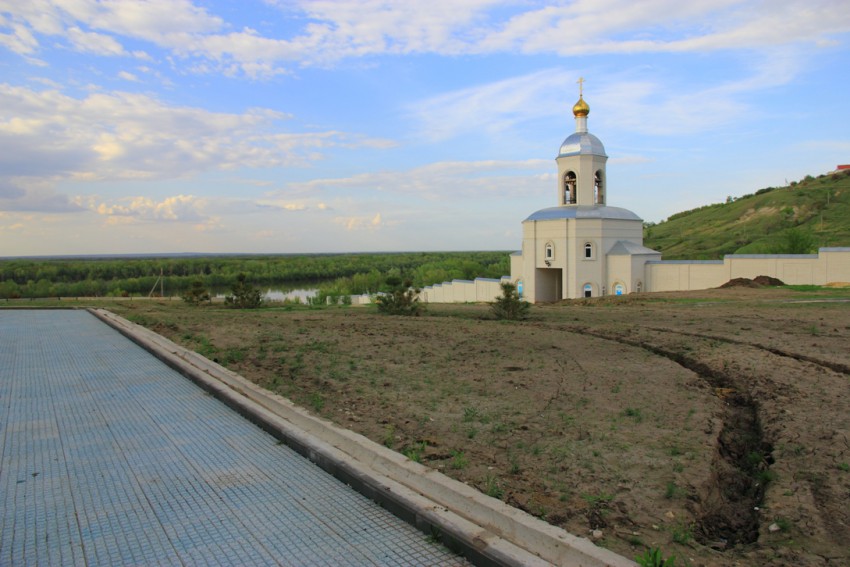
(583, 247)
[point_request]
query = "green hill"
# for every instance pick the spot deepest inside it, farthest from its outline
(799, 218)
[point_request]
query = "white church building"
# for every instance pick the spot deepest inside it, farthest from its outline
(582, 247)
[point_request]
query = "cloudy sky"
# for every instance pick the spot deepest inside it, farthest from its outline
(148, 126)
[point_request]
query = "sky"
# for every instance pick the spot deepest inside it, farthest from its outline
(289, 126)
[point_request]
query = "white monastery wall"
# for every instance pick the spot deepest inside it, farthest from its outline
(828, 266)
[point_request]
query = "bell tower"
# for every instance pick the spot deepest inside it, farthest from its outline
(581, 162)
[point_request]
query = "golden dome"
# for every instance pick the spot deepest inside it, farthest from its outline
(580, 108)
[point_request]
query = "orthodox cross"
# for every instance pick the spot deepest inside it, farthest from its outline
(580, 86)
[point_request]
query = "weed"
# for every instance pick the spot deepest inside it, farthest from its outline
(653, 558)
(317, 401)
(597, 499)
(515, 468)
(414, 452)
(783, 523)
(682, 533)
(634, 413)
(844, 467)
(766, 476)
(492, 487)
(471, 433)
(459, 460)
(675, 451)
(678, 467)
(389, 436)
(470, 413)
(672, 491)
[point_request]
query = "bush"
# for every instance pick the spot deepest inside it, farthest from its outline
(510, 306)
(196, 294)
(400, 298)
(243, 295)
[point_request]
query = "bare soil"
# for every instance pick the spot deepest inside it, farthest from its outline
(714, 425)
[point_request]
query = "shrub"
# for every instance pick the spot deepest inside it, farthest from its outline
(510, 306)
(243, 295)
(196, 294)
(400, 298)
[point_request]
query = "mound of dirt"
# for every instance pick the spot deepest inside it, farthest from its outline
(768, 281)
(740, 282)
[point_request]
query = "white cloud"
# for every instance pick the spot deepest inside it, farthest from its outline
(46, 135)
(353, 223)
(92, 42)
(331, 30)
(490, 178)
(127, 76)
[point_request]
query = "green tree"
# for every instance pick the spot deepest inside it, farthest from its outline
(243, 295)
(399, 298)
(510, 306)
(196, 293)
(796, 241)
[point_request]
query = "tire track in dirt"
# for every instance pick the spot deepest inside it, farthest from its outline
(727, 505)
(836, 366)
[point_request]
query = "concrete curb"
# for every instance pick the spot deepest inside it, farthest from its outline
(486, 530)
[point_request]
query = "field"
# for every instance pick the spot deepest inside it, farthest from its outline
(713, 425)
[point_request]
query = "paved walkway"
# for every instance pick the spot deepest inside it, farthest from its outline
(111, 458)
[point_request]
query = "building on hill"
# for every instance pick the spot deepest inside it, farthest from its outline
(583, 247)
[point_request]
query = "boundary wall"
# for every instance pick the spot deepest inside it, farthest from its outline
(829, 265)
(479, 290)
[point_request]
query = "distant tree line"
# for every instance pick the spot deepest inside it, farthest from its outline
(339, 274)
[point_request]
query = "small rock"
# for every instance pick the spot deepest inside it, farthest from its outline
(596, 535)
(670, 514)
(773, 528)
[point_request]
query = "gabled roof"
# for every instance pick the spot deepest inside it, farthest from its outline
(626, 248)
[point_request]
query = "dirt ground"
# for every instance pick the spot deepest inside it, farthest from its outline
(714, 425)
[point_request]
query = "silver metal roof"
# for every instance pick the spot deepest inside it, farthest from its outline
(581, 143)
(583, 212)
(626, 248)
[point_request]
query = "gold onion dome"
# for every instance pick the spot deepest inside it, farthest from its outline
(580, 108)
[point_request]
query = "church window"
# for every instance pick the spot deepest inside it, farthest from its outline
(588, 250)
(570, 188)
(639, 286)
(619, 289)
(588, 290)
(599, 195)
(550, 251)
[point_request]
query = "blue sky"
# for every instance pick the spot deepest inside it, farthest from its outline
(271, 126)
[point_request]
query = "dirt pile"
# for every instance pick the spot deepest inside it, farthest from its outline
(757, 282)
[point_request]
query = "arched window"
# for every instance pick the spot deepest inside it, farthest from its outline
(570, 188)
(588, 290)
(598, 192)
(550, 251)
(639, 286)
(619, 289)
(588, 251)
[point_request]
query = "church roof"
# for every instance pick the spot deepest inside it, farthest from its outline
(626, 248)
(579, 143)
(583, 212)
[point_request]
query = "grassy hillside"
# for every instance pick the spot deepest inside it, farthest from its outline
(799, 218)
